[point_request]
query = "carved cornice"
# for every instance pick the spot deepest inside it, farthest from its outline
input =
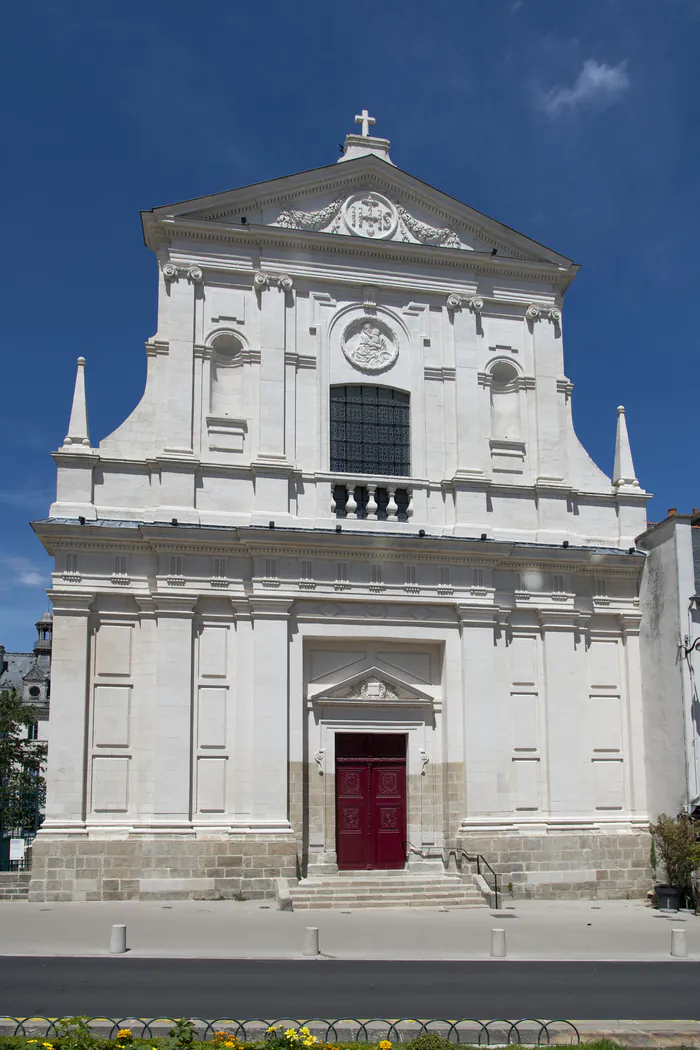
(70, 604)
(259, 236)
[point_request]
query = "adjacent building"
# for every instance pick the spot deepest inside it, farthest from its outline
(29, 674)
(670, 639)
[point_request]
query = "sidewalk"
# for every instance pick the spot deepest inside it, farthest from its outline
(538, 930)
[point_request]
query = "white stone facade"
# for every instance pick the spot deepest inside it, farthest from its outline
(225, 603)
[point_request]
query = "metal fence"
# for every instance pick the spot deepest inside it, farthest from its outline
(20, 819)
(467, 1031)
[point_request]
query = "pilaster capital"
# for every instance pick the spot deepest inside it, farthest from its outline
(477, 615)
(174, 606)
(171, 273)
(559, 619)
(71, 604)
(630, 623)
(455, 301)
(270, 608)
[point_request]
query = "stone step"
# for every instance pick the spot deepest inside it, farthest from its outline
(360, 888)
(393, 902)
(345, 895)
(381, 889)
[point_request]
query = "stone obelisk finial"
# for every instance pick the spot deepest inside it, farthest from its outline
(623, 472)
(78, 436)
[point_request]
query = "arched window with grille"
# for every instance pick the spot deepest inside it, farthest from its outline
(370, 430)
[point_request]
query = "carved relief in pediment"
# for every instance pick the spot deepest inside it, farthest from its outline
(371, 689)
(372, 215)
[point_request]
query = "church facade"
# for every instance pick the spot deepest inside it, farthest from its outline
(344, 593)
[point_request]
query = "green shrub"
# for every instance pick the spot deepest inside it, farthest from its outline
(430, 1041)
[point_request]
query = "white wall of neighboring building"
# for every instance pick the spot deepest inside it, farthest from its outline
(668, 628)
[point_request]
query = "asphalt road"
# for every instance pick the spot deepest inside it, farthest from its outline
(246, 989)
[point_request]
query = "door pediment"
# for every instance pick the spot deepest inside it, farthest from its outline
(373, 687)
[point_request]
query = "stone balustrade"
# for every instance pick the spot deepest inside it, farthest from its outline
(376, 500)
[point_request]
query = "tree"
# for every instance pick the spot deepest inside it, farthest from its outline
(22, 786)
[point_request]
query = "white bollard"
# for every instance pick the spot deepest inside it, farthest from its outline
(498, 944)
(679, 947)
(117, 942)
(311, 940)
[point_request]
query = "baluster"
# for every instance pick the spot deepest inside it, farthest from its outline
(334, 505)
(371, 503)
(351, 505)
(409, 508)
(391, 507)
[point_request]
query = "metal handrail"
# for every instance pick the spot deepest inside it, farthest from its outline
(477, 858)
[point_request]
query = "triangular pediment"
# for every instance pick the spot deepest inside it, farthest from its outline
(34, 674)
(372, 686)
(363, 198)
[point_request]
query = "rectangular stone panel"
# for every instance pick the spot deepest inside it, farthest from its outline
(527, 783)
(603, 663)
(110, 719)
(211, 785)
(523, 651)
(608, 783)
(113, 649)
(605, 722)
(211, 716)
(524, 721)
(212, 652)
(110, 784)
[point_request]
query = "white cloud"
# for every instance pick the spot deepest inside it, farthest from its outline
(24, 572)
(596, 84)
(32, 579)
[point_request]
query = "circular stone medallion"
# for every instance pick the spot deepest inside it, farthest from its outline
(370, 215)
(370, 345)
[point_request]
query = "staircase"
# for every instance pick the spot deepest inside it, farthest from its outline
(351, 890)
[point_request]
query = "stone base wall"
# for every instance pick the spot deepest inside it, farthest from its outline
(14, 885)
(166, 868)
(591, 866)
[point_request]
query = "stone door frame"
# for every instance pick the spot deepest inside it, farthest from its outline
(423, 790)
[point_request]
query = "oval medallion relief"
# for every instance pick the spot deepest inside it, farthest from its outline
(370, 215)
(370, 345)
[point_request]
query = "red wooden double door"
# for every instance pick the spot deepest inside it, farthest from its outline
(371, 800)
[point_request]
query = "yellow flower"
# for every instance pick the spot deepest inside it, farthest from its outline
(385, 1044)
(271, 1028)
(304, 1030)
(124, 1033)
(50, 1045)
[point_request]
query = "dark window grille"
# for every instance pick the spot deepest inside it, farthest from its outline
(370, 431)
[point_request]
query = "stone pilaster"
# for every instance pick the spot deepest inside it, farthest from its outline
(173, 751)
(66, 772)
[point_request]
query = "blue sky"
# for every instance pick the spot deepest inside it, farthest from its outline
(574, 121)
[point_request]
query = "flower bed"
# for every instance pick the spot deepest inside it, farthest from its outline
(162, 1033)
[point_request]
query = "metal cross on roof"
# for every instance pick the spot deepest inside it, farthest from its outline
(365, 120)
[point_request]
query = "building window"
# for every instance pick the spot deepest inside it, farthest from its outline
(370, 431)
(33, 731)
